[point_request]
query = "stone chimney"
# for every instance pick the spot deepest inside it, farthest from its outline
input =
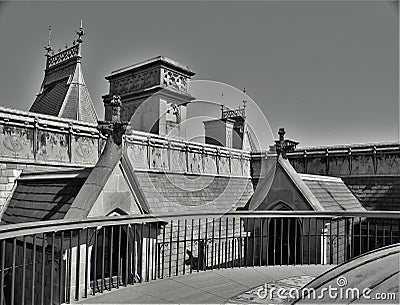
(161, 85)
(229, 130)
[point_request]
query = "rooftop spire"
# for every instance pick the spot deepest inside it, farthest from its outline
(48, 47)
(63, 92)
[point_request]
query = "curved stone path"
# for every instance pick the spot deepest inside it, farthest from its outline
(211, 287)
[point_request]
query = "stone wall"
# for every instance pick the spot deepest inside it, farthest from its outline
(378, 192)
(151, 152)
(348, 160)
(31, 138)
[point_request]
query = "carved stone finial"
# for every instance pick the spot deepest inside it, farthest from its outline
(114, 128)
(244, 105)
(280, 144)
(80, 33)
(283, 145)
(116, 109)
(281, 134)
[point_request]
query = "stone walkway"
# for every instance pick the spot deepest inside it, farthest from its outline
(216, 286)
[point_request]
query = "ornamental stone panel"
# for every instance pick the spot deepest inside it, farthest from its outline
(52, 146)
(85, 149)
(16, 142)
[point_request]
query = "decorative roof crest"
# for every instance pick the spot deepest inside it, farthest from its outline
(67, 53)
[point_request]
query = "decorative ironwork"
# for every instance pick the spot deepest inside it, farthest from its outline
(63, 56)
(240, 112)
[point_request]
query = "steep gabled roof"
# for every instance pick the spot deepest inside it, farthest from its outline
(63, 92)
(321, 193)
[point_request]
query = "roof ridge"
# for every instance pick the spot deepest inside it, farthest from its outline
(319, 178)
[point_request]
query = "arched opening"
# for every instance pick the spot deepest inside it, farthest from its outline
(108, 258)
(284, 238)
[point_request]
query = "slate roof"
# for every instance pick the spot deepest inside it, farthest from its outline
(332, 193)
(78, 105)
(43, 196)
(51, 99)
(376, 192)
(178, 193)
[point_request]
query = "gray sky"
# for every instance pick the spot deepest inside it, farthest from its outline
(326, 71)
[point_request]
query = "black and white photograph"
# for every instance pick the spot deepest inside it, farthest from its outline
(199, 152)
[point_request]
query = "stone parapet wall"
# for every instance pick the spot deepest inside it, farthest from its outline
(348, 160)
(151, 152)
(32, 138)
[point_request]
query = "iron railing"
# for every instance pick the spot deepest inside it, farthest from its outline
(53, 262)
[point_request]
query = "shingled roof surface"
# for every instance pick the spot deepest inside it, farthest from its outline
(376, 192)
(51, 99)
(172, 193)
(79, 106)
(41, 199)
(332, 193)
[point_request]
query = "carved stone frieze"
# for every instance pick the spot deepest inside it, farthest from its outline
(135, 82)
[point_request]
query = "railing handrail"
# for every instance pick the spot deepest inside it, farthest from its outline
(22, 229)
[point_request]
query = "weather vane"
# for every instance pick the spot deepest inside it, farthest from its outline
(80, 33)
(48, 47)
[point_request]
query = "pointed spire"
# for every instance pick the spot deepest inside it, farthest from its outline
(80, 33)
(48, 47)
